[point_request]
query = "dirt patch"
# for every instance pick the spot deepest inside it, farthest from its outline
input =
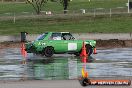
(10, 45)
(113, 43)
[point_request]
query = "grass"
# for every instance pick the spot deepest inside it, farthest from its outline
(78, 24)
(81, 23)
(54, 6)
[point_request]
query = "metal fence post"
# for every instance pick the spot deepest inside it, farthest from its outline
(110, 12)
(128, 6)
(14, 19)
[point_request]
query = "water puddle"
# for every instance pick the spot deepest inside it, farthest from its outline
(107, 63)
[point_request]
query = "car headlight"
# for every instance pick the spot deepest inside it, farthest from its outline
(94, 42)
(90, 43)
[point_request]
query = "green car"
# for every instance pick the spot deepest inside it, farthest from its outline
(58, 43)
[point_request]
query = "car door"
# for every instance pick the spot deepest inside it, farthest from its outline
(57, 42)
(71, 43)
(74, 45)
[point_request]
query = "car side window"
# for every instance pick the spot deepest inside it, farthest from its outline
(56, 36)
(67, 36)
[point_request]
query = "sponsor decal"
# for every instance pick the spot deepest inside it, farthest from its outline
(41, 44)
(86, 81)
(72, 46)
(110, 82)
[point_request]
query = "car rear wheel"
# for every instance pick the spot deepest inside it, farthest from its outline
(89, 50)
(48, 51)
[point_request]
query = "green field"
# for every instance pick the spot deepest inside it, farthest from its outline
(54, 6)
(83, 24)
(72, 23)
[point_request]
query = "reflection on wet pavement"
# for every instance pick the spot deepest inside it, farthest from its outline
(107, 63)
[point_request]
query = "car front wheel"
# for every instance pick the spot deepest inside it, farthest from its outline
(48, 51)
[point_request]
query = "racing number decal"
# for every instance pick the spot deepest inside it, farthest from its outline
(72, 46)
(41, 43)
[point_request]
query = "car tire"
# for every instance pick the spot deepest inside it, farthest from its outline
(89, 49)
(48, 51)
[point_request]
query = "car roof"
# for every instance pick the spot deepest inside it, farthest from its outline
(65, 32)
(57, 32)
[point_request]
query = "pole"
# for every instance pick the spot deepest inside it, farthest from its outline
(14, 19)
(110, 12)
(128, 6)
(94, 12)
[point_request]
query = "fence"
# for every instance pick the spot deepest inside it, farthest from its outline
(118, 10)
(89, 12)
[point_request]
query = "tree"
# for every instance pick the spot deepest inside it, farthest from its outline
(37, 4)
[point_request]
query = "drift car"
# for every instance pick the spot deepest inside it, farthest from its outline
(57, 43)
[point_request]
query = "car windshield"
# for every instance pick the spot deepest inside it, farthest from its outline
(42, 36)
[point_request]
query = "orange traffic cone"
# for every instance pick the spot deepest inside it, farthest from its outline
(22, 48)
(83, 53)
(84, 59)
(95, 52)
(23, 52)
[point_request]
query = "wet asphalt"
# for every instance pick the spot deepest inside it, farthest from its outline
(60, 71)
